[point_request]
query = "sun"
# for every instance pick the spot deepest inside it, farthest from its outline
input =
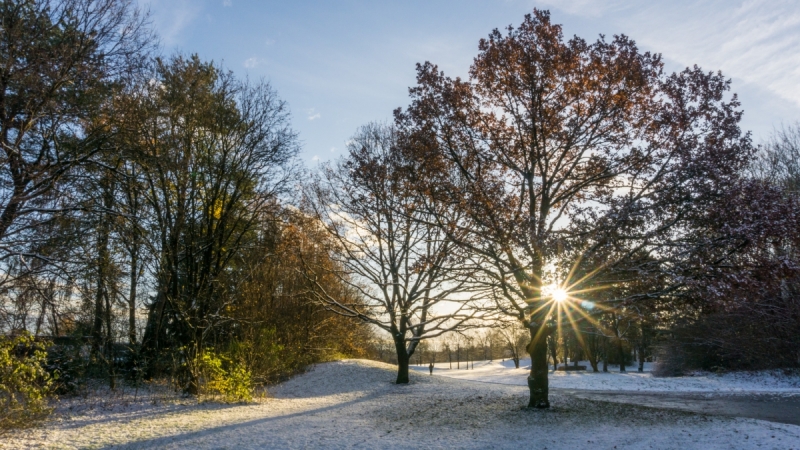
(556, 292)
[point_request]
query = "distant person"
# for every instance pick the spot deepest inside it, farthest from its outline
(430, 367)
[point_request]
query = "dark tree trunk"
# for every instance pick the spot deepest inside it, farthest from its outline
(553, 346)
(112, 375)
(537, 380)
(103, 266)
(402, 361)
(153, 336)
(593, 360)
(97, 325)
(132, 296)
(605, 354)
(641, 360)
(643, 341)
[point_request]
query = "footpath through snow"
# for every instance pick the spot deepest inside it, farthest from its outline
(735, 382)
(354, 404)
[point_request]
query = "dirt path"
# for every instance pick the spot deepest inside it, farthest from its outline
(781, 408)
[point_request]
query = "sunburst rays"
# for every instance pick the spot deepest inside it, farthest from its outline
(571, 308)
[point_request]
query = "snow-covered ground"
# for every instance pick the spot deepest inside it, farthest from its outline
(505, 373)
(354, 404)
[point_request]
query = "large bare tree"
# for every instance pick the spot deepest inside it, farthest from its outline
(387, 249)
(557, 147)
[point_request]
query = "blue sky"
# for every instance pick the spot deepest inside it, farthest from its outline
(341, 64)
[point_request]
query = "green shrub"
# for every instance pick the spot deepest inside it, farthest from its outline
(261, 353)
(219, 376)
(24, 382)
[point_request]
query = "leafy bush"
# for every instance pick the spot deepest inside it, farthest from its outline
(261, 353)
(219, 376)
(24, 382)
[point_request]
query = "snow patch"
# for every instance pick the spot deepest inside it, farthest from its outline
(505, 373)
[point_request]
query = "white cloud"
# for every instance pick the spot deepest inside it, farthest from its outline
(313, 114)
(269, 42)
(333, 149)
(252, 62)
(756, 41)
(227, 3)
(315, 158)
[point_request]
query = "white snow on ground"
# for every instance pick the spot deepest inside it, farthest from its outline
(505, 373)
(354, 404)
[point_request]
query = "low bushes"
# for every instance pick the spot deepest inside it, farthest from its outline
(223, 378)
(25, 384)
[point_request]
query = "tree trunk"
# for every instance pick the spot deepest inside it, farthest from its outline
(553, 345)
(103, 263)
(643, 343)
(402, 361)
(621, 352)
(641, 357)
(97, 325)
(112, 374)
(132, 296)
(605, 354)
(537, 380)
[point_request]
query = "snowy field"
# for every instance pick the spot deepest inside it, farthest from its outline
(354, 404)
(505, 373)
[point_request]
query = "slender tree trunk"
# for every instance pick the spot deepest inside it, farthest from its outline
(112, 375)
(605, 354)
(620, 349)
(132, 295)
(641, 360)
(592, 356)
(553, 346)
(642, 344)
(97, 325)
(103, 263)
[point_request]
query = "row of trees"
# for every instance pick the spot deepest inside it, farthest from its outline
(142, 205)
(509, 343)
